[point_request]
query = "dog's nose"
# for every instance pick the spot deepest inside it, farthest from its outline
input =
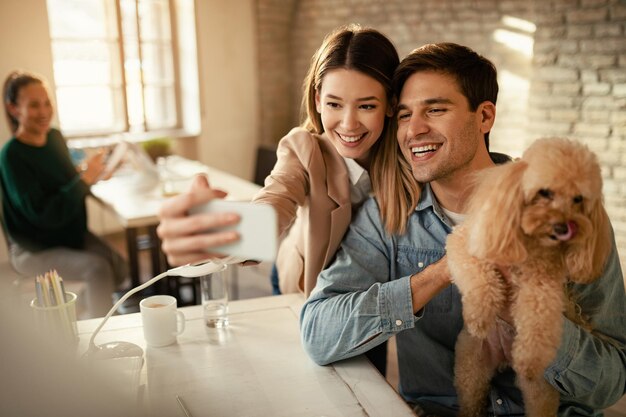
(560, 228)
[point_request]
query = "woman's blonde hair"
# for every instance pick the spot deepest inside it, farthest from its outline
(396, 190)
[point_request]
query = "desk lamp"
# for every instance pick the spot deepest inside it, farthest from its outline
(120, 349)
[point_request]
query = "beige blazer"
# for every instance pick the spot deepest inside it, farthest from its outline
(310, 189)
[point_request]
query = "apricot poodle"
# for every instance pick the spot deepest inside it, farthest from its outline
(542, 220)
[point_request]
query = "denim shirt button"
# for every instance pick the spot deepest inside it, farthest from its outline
(420, 264)
(499, 401)
(398, 322)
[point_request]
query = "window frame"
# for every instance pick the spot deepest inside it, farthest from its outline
(118, 65)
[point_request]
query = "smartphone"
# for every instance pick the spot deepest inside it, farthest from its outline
(258, 229)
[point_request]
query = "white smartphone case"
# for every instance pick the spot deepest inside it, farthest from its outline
(258, 229)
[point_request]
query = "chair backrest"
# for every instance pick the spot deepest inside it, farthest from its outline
(265, 161)
(4, 231)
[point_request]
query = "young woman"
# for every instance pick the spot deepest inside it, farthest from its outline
(43, 198)
(322, 172)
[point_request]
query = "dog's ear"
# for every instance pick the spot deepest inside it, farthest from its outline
(585, 262)
(495, 214)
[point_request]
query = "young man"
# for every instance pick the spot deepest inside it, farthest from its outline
(384, 283)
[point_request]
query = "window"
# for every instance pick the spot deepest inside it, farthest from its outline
(115, 65)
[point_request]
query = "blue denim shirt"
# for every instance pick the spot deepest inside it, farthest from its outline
(364, 297)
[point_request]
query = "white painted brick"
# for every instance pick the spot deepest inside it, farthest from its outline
(551, 101)
(579, 31)
(554, 73)
(619, 173)
(608, 157)
(550, 32)
(605, 29)
(566, 89)
(542, 128)
(618, 117)
(599, 61)
(592, 3)
(569, 46)
(587, 15)
(598, 102)
(564, 4)
(596, 116)
(589, 76)
(603, 45)
(610, 187)
(539, 87)
(546, 58)
(596, 144)
(546, 46)
(548, 18)
(613, 75)
(592, 130)
(617, 12)
(599, 89)
(564, 115)
(619, 90)
(620, 130)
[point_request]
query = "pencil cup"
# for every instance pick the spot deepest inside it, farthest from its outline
(57, 322)
(214, 289)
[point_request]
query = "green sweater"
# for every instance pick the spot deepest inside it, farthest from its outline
(43, 196)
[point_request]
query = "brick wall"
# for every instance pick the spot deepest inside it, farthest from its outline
(276, 86)
(561, 65)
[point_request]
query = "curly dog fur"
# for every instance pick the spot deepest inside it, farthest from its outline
(542, 219)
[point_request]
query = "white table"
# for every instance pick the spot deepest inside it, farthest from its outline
(255, 367)
(136, 206)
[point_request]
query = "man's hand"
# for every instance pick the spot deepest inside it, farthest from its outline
(427, 284)
(187, 238)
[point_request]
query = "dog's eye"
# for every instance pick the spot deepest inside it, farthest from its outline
(545, 193)
(578, 199)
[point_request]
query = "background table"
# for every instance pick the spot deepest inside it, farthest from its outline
(255, 367)
(137, 208)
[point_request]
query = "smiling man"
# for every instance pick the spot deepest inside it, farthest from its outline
(392, 278)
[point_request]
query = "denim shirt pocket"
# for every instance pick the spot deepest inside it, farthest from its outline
(411, 260)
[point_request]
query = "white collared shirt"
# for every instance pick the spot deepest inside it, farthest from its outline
(360, 183)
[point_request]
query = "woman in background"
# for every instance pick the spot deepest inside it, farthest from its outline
(43, 198)
(323, 168)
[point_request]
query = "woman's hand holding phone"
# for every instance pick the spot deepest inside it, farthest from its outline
(188, 238)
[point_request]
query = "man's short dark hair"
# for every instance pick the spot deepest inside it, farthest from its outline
(475, 74)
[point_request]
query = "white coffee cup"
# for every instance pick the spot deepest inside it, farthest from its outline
(162, 322)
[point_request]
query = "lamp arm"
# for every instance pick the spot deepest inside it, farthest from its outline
(120, 301)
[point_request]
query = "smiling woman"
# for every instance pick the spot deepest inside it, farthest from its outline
(353, 107)
(322, 171)
(43, 199)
